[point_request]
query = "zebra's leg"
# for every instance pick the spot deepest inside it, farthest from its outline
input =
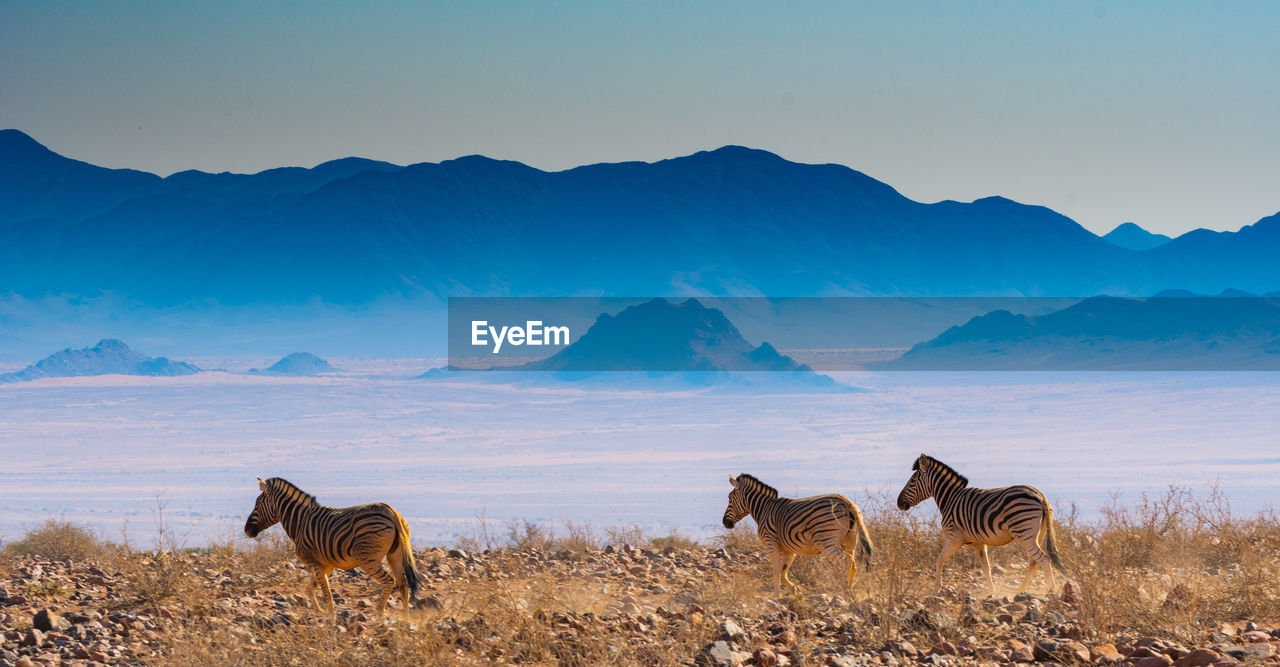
(980, 550)
(840, 554)
(1036, 556)
(322, 577)
(312, 600)
(396, 560)
(378, 572)
(775, 559)
(950, 543)
(1031, 573)
(787, 559)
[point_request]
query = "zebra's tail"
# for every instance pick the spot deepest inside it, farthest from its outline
(1050, 546)
(411, 577)
(865, 547)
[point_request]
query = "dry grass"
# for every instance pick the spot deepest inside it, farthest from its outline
(56, 539)
(1176, 565)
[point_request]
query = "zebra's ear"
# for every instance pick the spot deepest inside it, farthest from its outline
(261, 484)
(733, 480)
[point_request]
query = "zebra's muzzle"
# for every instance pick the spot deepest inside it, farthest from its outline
(728, 523)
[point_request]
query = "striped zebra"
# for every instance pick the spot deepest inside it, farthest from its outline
(799, 527)
(984, 517)
(329, 538)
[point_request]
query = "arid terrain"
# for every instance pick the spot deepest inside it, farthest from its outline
(1170, 579)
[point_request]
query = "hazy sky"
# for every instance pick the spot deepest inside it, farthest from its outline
(1163, 113)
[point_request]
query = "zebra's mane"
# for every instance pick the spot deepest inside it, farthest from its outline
(285, 489)
(758, 485)
(939, 466)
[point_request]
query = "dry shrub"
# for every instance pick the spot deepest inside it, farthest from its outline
(59, 540)
(620, 535)
(266, 554)
(741, 539)
(578, 538)
(676, 540)
(161, 573)
(1176, 564)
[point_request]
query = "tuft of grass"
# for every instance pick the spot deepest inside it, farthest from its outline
(676, 541)
(56, 539)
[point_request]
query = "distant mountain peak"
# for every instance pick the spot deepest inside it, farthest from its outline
(109, 357)
(659, 335)
(735, 152)
(300, 364)
(1130, 235)
(19, 142)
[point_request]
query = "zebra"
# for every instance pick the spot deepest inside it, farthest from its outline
(328, 538)
(799, 527)
(984, 517)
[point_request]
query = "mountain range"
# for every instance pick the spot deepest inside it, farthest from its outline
(664, 345)
(1171, 331)
(732, 221)
(108, 357)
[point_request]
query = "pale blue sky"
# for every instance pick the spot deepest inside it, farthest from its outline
(1162, 113)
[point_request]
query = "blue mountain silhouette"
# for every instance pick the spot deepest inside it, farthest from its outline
(108, 357)
(732, 221)
(1173, 330)
(300, 364)
(659, 335)
(1130, 235)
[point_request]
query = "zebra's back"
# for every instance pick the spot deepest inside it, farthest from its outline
(995, 516)
(801, 525)
(346, 537)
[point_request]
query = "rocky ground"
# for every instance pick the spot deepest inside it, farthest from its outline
(613, 605)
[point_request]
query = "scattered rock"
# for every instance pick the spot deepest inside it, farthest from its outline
(1200, 657)
(732, 631)
(765, 658)
(716, 654)
(48, 620)
(1071, 592)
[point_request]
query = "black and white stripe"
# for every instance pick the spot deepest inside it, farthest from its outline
(984, 517)
(790, 527)
(329, 538)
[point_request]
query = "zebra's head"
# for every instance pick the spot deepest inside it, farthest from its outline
(265, 514)
(918, 488)
(738, 507)
(931, 477)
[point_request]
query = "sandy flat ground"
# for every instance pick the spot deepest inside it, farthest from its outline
(102, 450)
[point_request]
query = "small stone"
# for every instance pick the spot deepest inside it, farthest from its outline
(34, 637)
(731, 631)
(1255, 636)
(1153, 661)
(1077, 652)
(48, 620)
(900, 647)
(716, 654)
(1020, 652)
(765, 658)
(1201, 657)
(1046, 649)
(1071, 593)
